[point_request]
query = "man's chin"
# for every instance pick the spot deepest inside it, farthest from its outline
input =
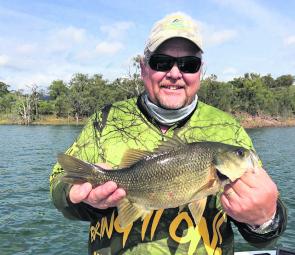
(172, 105)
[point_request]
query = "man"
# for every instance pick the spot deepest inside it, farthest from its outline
(170, 69)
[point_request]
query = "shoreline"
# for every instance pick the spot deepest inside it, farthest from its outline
(263, 121)
(46, 120)
(246, 120)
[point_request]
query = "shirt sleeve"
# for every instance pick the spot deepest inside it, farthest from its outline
(270, 235)
(261, 240)
(86, 147)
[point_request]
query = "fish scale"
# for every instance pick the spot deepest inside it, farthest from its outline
(175, 174)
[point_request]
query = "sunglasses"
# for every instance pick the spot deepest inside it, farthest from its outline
(164, 63)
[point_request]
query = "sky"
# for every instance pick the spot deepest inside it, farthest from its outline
(44, 40)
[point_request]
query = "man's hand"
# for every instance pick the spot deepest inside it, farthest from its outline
(101, 197)
(251, 199)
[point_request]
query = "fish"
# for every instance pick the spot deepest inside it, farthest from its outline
(175, 174)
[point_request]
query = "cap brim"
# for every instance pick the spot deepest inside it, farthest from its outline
(152, 47)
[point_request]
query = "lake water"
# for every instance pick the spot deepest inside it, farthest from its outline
(29, 224)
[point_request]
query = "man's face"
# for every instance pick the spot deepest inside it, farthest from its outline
(172, 89)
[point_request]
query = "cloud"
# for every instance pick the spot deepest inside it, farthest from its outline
(270, 20)
(290, 40)
(65, 38)
(108, 48)
(4, 60)
(26, 48)
(116, 30)
(219, 37)
(229, 73)
(71, 33)
(27, 80)
(214, 35)
(249, 8)
(230, 70)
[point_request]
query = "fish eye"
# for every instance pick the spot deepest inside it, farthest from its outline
(240, 153)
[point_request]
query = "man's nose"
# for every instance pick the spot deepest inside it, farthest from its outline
(174, 72)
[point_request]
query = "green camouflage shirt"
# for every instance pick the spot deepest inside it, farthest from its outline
(125, 125)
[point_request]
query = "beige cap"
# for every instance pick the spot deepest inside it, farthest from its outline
(174, 25)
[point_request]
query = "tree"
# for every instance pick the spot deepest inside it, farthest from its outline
(286, 101)
(132, 85)
(62, 106)
(7, 102)
(252, 95)
(58, 88)
(89, 93)
(268, 81)
(284, 81)
(218, 94)
(60, 93)
(27, 105)
(24, 108)
(46, 107)
(35, 97)
(3, 89)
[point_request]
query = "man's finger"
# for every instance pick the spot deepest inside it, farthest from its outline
(251, 178)
(230, 194)
(114, 198)
(79, 192)
(102, 192)
(239, 187)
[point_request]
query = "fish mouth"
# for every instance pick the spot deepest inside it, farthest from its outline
(223, 178)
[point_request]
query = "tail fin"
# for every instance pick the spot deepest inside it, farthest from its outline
(76, 170)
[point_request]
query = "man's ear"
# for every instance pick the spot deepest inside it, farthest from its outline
(203, 70)
(142, 67)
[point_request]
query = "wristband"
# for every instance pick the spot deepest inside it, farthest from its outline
(266, 227)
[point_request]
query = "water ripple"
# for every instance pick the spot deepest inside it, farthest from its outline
(29, 224)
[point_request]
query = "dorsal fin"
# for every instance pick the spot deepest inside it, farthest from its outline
(132, 156)
(171, 144)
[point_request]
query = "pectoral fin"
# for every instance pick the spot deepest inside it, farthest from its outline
(197, 209)
(129, 212)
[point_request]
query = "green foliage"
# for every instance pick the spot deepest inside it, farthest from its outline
(252, 95)
(58, 88)
(62, 106)
(284, 81)
(7, 102)
(87, 93)
(129, 87)
(84, 94)
(3, 89)
(268, 81)
(286, 101)
(218, 94)
(46, 107)
(26, 105)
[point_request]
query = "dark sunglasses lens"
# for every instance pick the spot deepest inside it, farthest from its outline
(161, 62)
(189, 64)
